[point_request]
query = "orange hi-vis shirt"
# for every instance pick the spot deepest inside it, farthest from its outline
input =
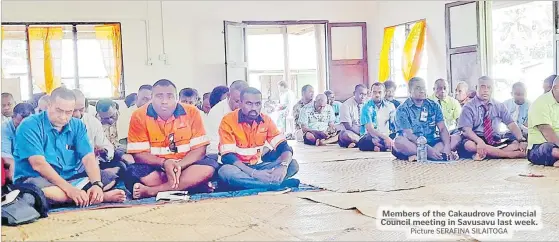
(171, 139)
(246, 138)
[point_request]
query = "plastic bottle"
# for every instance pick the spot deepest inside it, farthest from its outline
(422, 149)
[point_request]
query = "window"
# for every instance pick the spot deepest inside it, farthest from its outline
(82, 58)
(400, 35)
(522, 46)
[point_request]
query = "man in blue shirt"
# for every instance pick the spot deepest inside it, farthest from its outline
(50, 147)
(377, 118)
(419, 116)
(518, 107)
(21, 111)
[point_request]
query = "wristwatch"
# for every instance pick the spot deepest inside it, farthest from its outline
(98, 183)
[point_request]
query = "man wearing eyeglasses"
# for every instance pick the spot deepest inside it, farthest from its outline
(168, 142)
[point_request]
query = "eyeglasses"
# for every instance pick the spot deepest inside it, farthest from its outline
(172, 144)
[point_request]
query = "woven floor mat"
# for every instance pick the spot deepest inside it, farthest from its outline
(277, 218)
(312, 154)
(390, 174)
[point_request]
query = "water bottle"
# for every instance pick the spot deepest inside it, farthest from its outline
(422, 149)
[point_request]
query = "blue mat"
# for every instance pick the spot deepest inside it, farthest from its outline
(193, 197)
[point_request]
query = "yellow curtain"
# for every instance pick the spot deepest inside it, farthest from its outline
(384, 63)
(45, 46)
(109, 38)
(413, 49)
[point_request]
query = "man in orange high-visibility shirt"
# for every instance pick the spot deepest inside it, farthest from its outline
(168, 142)
(243, 133)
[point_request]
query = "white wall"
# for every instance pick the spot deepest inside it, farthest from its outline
(192, 30)
(391, 13)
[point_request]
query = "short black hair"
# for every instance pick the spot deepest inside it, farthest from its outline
(103, 105)
(390, 84)
(145, 87)
(7, 94)
(63, 93)
(282, 84)
(550, 79)
(413, 81)
(305, 88)
(378, 84)
(250, 90)
(328, 92)
(164, 83)
(359, 86)
(238, 85)
(24, 109)
(518, 84)
(128, 100)
(217, 92)
(188, 92)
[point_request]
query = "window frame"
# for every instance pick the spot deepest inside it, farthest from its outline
(407, 29)
(74, 25)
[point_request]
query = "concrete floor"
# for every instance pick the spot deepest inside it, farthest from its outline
(359, 184)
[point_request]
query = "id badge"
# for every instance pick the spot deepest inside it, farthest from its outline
(423, 116)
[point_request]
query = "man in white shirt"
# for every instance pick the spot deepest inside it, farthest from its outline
(102, 146)
(217, 113)
(350, 117)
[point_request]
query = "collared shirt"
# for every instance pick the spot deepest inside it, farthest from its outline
(463, 102)
(297, 112)
(473, 113)
(545, 110)
(351, 113)
(408, 116)
(245, 138)
(212, 122)
(173, 138)
(96, 134)
(63, 150)
(314, 120)
(395, 102)
(451, 110)
(124, 116)
(519, 113)
(337, 106)
(381, 117)
(8, 136)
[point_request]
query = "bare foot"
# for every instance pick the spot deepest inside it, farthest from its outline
(114, 196)
(352, 145)
(140, 191)
(477, 157)
(412, 158)
(376, 149)
(317, 143)
(517, 154)
(556, 164)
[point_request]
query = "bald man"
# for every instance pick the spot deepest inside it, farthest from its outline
(451, 107)
(42, 104)
(317, 120)
(543, 128)
(479, 123)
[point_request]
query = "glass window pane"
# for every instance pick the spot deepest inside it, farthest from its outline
(14, 57)
(522, 46)
(92, 54)
(265, 50)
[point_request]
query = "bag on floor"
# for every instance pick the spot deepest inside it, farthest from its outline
(22, 204)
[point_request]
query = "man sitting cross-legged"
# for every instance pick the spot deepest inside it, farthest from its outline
(242, 135)
(21, 112)
(317, 122)
(479, 122)
(350, 114)
(543, 132)
(518, 107)
(50, 148)
(419, 116)
(168, 142)
(376, 119)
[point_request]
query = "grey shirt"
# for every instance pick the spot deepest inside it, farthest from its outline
(473, 113)
(350, 112)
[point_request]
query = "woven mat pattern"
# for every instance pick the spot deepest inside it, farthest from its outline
(390, 175)
(257, 218)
